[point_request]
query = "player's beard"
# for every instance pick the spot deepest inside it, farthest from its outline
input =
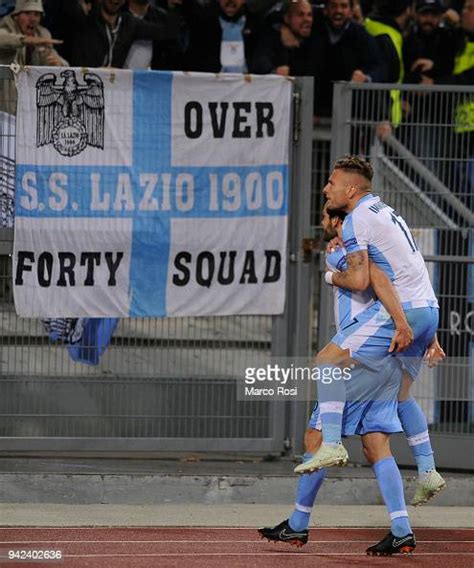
(329, 234)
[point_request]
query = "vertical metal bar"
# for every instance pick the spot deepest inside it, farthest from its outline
(341, 120)
(300, 273)
(326, 310)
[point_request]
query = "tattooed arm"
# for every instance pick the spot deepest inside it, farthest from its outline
(387, 294)
(357, 276)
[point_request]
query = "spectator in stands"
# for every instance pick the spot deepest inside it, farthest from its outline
(463, 65)
(386, 23)
(285, 48)
(463, 74)
(147, 54)
(429, 48)
(342, 51)
(222, 36)
(59, 28)
(23, 40)
(102, 35)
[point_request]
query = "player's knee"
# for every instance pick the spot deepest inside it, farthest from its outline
(369, 453)
(376, 446)
(372, 446)
(312, 440)
(331, 355)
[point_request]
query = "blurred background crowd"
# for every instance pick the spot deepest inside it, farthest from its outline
(392, 41)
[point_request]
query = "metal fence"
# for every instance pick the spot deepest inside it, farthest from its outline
(167, 384)
(163, 384)
(425, 164)
(425, 169)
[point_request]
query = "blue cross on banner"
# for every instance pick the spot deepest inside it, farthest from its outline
(150, 194)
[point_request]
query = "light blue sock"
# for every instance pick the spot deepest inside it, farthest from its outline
(331, 398)
(308, 487)
(416, 430)
(391, 487)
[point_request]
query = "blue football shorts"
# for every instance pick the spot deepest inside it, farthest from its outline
(372, 401)
(369, 334)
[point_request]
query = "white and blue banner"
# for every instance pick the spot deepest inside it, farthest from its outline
(150, 194)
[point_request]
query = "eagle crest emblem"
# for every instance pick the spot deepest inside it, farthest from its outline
(70, 115)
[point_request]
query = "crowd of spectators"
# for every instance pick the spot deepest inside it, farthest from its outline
(422, 41)
(391, 41)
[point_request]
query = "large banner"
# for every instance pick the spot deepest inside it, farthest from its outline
(150, 194)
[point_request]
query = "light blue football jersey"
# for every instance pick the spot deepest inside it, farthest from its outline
(376, 227)
(347, 304)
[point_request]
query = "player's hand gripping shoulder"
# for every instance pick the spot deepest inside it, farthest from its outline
(333, 245)
(434, 353)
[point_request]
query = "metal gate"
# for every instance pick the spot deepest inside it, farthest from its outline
(168, 384)
(163, 384)
(425, 169)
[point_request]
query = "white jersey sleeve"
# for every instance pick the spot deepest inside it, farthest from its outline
(376, 227)
(356, 236)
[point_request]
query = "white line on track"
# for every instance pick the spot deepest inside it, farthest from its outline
(416, 554)
(201, 528)
(186, 541)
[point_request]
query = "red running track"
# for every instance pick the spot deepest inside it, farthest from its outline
(145, 547)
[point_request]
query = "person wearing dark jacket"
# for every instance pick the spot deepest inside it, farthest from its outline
(102, 37)
(387, 23)
(222, 36)
(463, 68)
(342, 51)
(429, 48)
(285, 48)
(145, 54)
(461, 180)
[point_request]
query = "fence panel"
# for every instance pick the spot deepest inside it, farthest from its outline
(163, 384)
(424, 169)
